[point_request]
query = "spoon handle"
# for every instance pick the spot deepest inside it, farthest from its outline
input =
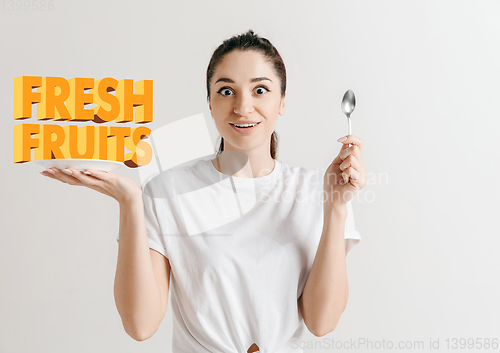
(349, 125)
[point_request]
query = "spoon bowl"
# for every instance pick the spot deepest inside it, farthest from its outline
(348, 105)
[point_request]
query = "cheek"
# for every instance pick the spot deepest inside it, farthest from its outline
(219, 112)
(270, 111)
(272, 106)
(222, 107)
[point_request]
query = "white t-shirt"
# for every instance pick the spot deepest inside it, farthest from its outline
(240, 251)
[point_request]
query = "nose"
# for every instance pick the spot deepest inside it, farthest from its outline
(243, 104)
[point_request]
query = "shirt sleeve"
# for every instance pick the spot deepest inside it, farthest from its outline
(153, 229)
(351, 235)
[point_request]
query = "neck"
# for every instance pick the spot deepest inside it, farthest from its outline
(255, 164)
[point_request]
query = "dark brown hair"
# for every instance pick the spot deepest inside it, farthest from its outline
(249, 41)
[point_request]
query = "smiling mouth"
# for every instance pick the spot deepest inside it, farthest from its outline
(244, 126)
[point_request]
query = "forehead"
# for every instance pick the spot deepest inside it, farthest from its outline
(244, 65)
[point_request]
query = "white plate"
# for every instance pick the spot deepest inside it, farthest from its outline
(80, 164)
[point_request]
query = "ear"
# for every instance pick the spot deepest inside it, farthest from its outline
(210, 107)
(282, 105)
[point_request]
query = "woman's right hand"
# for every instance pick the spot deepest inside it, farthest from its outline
(121, 188)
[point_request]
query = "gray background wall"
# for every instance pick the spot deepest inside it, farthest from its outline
(426, 78)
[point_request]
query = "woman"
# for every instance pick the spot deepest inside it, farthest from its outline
(251, 264)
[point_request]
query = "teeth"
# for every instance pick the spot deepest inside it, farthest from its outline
(244, 125)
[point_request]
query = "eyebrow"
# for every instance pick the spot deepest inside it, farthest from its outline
(257, 79)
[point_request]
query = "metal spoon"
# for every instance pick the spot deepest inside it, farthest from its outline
(348, 105)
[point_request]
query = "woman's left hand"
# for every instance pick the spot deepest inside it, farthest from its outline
(346, 175)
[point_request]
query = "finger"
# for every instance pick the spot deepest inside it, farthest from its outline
(340, 157)
(90, 181)
(354, 140)
(86, 180)
(93, 187)
(352, 162)
(67, 178)
(345, 151)
(55, 174)
(99, 174)
(353, 150)
(352, 176)
(50, 175)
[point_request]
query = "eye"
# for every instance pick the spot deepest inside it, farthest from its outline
(224, 89)
(262, 88)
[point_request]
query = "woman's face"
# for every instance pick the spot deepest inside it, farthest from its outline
(245, 88)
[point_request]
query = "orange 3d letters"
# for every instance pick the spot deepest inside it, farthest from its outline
(60, 100)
